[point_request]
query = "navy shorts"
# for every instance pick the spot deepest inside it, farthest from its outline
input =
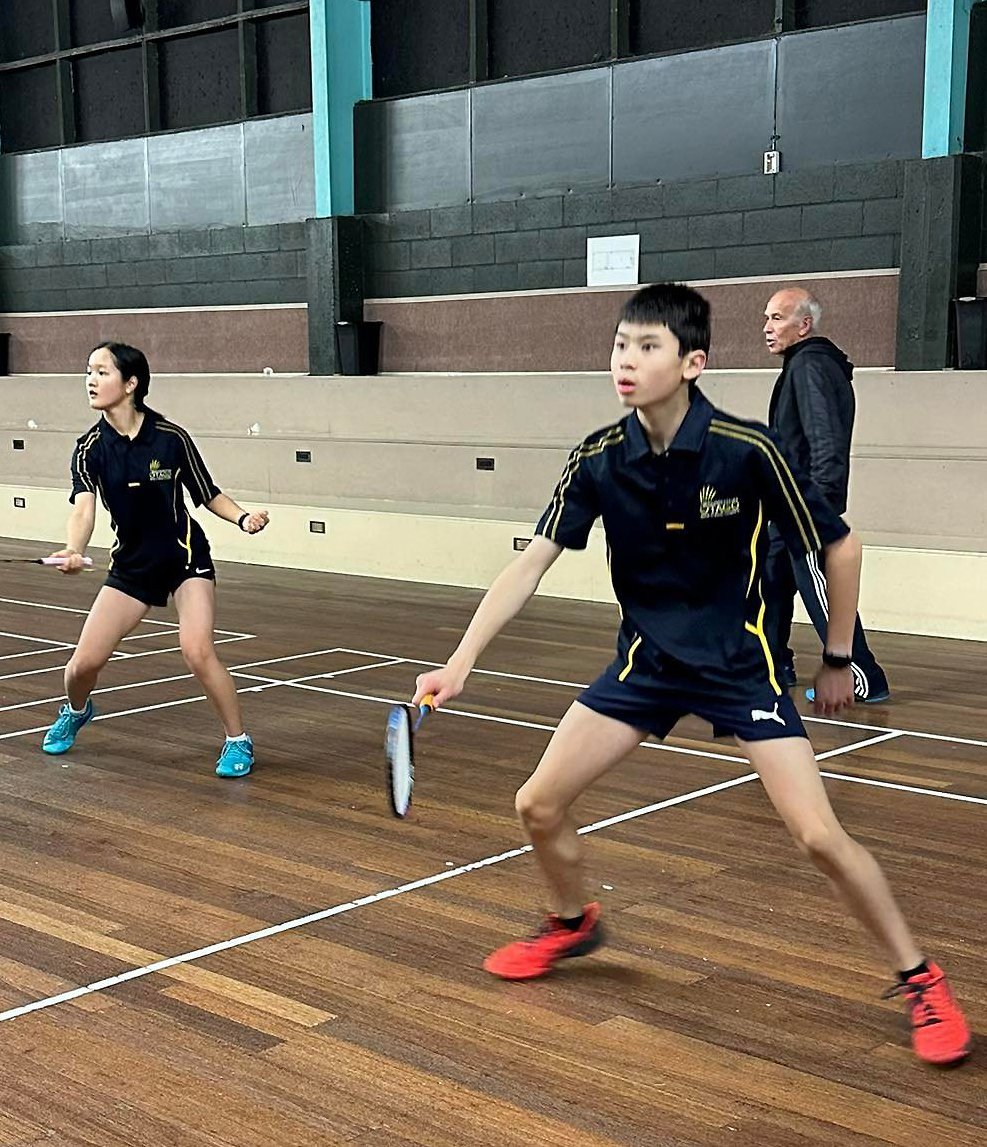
(654, 695)
(155, 586)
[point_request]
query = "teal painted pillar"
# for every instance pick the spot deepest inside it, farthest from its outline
(341, 75)
(947, 49)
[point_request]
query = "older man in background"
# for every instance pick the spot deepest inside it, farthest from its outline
(812, 409)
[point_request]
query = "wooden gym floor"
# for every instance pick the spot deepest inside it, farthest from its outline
(159, 983)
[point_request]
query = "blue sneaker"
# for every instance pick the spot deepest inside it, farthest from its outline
(236, 759)
(61, 736)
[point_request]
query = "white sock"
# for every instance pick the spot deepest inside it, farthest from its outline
(236, 740)
(78, 712)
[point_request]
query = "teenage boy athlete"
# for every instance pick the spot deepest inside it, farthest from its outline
(140, 464)
(685, 493)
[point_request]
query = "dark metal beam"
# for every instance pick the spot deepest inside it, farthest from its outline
(479, 27)
(286, 9)
(64, 88)
(784, 16)
(149, 64)
(248, 68)
(620, 29)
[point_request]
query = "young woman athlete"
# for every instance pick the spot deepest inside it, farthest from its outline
(141, 466)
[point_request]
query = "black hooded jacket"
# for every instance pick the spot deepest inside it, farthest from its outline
(812, 408)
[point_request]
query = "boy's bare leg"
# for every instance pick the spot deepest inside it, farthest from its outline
(791, 779)
(584, 747)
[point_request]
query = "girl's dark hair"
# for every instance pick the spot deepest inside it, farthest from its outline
(684, 311)
(131, 363)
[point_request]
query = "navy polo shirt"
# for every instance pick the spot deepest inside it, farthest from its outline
(142, 482)
(687, 535)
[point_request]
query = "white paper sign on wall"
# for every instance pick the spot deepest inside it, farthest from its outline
(612, 260)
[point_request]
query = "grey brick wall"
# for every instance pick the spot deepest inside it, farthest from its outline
(227, 266)
(838, 218)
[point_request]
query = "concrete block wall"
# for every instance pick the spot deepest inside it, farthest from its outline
(223, 266)
(835, 218)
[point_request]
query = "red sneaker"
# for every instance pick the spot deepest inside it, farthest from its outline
(939, 1031)
(536, 956)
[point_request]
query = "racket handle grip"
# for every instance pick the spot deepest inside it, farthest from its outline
(425, 706)
(61, 561)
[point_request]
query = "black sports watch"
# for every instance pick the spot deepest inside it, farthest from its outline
(836, 660)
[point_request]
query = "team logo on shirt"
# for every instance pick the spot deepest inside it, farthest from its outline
(156, 474)
(710, 506)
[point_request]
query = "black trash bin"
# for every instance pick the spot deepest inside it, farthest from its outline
(4, 353)
(359, 347)
(971, 333)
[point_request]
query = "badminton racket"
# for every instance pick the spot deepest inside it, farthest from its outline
(399, 751)
(45, 561)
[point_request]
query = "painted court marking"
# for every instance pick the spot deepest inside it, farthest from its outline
(267, 683)
(583, 685)
(348, 906)
(382, 660)
(118, 655)
(839, 751)
(85, 613)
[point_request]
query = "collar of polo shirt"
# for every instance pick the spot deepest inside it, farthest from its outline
(688, 438)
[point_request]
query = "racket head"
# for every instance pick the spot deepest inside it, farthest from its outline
(399, 756)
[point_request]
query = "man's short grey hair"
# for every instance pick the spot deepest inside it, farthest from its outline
(810, 306)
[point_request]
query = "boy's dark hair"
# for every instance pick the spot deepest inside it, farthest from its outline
(684, 311)
(131, 363)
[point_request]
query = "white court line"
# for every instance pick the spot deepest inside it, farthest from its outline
(154, 633)
(268, 683)
(349, 906)
(914, 789)
(302, 656)
(447, 874)
(60, 647)
(165, 680)
(97, 692)
(128, 656)
(842, 750)
(839, 752)
(581, 685)
(304, 683)
(161, 681)
(484, 672)
(85, 613)
(134, 712)
(28, 637)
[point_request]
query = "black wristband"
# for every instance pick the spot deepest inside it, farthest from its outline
(836, 660)
(243, 517)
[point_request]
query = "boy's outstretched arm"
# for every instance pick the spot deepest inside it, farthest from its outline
(504, 599)
(834, 687)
